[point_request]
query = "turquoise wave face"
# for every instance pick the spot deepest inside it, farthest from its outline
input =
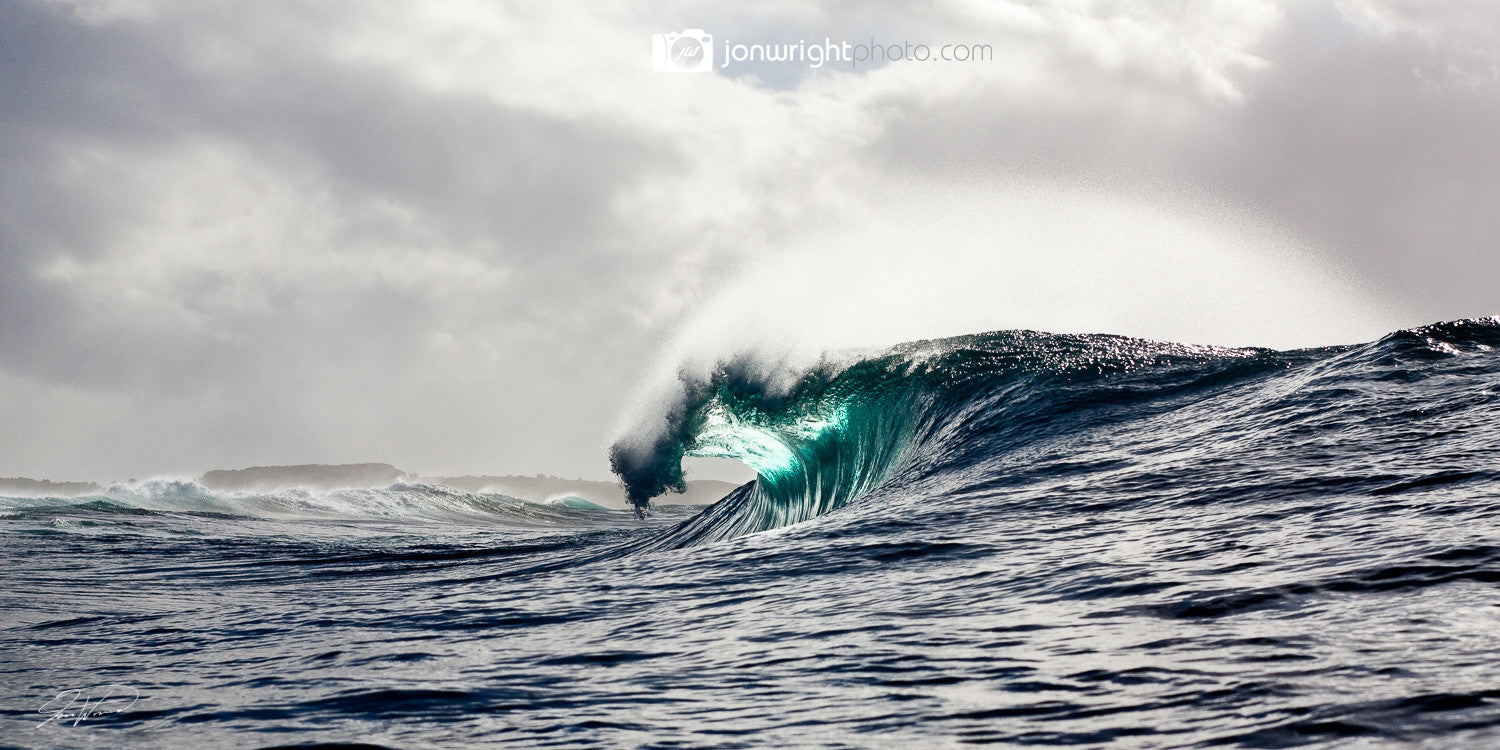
(827, 444)
(814, 443)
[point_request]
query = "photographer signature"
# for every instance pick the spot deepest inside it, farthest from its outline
(80, 703)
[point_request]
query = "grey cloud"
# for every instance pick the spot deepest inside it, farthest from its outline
(534, 189)
(536, 179)
(1357, 142)
(1393, 172)
(321, 366)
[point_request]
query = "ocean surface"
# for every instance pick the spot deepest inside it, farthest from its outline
(1011, 538)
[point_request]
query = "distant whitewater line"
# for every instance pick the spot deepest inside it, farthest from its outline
(330, 477)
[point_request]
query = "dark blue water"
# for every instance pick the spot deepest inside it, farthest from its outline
(1011, 538)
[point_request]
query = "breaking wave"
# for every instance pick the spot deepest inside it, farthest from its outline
(833, 433)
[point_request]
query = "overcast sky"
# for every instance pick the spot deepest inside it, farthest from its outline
(458, 236)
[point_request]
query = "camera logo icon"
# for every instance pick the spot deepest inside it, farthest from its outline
(691, 51)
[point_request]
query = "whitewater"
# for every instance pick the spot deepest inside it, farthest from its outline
(1011, 538)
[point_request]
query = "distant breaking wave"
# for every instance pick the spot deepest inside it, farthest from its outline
(822, 438)
(400, 501)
